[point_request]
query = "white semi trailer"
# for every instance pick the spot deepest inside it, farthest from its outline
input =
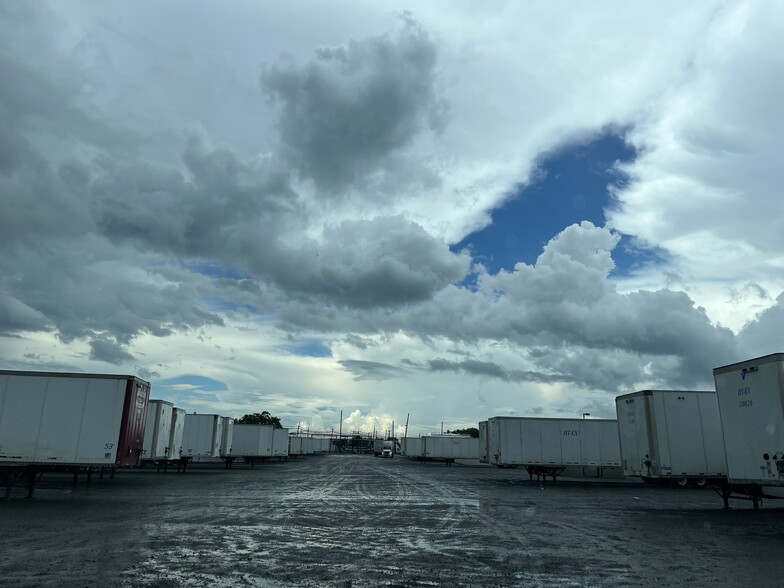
(258, 442)
(75, 422)
(177, 429)
(672, 436)
(157, 431)
(280, 443)
(449, 447)
(751, 406)
(202, 435)
(553, 447)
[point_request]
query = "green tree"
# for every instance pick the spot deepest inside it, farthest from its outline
(470, 431)
(260, 418)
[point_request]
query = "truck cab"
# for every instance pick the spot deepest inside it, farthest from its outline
(388, 449)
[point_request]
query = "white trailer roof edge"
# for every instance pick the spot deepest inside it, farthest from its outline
(749, 363)
(72, 375)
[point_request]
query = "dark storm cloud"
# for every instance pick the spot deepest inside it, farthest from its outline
(493, 370)
(15, 315)
(346, 112)
(370, 370)
(104, 349)
(242, 215)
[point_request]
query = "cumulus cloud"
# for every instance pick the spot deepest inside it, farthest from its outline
(708, 170)
(763, 335)
(350, 111)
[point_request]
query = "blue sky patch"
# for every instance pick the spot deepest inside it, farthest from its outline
(186, 387)
(307, 348)
(214, 270)
(570, 186)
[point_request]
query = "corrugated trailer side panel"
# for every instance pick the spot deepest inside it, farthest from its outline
(493, 440)
(177, 428)
(713, 436)
(610, 443)
(157, 431)
(131, 443)
(202, 435)
(682, 445)
(532, 448)
(411, 446)
(590, 439)
(751, 404)
(483, 442)
(85, 419)
(451, 447)
(280, 443)
(571, 435)
(510, 450)
(19, 436)
(217, 435)
(227, 436)
(246, 440)
(296, 446)
(634, 433)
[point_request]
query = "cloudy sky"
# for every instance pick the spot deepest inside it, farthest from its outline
(453, 211)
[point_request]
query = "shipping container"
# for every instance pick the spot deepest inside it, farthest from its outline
(177, 429)
(751, 405)
(157, 431)
(671, 436)
(449, 447)
(551, 447)
(71, 419)
(202, 435)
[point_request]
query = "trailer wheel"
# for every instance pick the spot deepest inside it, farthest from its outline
(682, 482)
(699, 482)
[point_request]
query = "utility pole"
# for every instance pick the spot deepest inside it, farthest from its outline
(340, 427)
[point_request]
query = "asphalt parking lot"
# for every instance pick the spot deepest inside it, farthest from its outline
(362, 521)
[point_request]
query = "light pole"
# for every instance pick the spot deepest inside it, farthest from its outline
(585, 414)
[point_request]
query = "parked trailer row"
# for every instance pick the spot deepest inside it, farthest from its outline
(731, 437)
(76, 422)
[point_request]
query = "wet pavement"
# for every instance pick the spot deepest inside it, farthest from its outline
(362, 521)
